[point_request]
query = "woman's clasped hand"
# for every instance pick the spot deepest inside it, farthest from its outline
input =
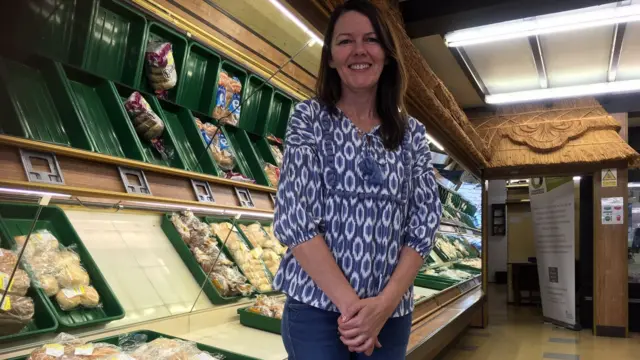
(361, 323)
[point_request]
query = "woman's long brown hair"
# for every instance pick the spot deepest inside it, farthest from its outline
(392, 84)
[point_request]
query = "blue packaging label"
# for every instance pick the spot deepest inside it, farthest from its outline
(234, 106)
(222, 140)
(221, 96)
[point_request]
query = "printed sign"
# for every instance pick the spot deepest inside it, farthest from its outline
(612, 211)
(609, 177)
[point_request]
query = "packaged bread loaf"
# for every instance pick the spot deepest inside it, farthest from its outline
(71, 298)
(19, 284)
(149, 126)
(171, 349)
(8, 258)
(277, 154)
(273, 174)
(221, 110)
(268, 306)
(15, 313)
(69, 347)
(161, 67)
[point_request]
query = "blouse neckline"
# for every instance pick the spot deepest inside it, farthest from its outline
(353, 126)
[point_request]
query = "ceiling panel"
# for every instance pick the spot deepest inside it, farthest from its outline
(444, 65)
(577, 57)
(505, 66)
(629, 66)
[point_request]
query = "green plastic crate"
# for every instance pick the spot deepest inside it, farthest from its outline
(433, 282)
(263, 149)
(190, 261)
(255, 109)
(212, 220)
(36, 105)
(112, 38)
(16, 219)
(182, 124)
(199, 144)
(247, 162)
(260, 322)
(43, 321)
(198, 85)
(152, 335)
(467, 268)
(179, 46)
(100, 109)
(281, 108)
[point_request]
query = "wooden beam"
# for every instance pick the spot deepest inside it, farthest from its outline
(610, 277)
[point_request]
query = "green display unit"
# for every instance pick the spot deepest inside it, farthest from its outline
(247, 162)
(256, 105)
(260, 322)
(16, 220)
(281, 108)
(198, 85)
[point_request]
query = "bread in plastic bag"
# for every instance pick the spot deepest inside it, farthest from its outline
(273, 174)
(20, 283)
(268, 306)
(277, 154)
(71, 298)
(237, 177)
(161, 67)
(69, 347)
(170, 349)
(149, 126)
(233, 102)
(221, 111)
(8, 258)
(270, 250)
(15, 313)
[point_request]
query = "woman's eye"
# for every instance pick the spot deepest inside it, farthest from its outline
(372, 39)
(344, 41)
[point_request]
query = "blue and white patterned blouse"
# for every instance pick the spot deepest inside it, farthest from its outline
(366, 201)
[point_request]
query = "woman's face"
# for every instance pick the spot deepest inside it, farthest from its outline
(356, 52)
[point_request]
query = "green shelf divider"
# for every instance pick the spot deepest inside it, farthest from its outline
(36, 105)
(255, 110)
(100, 109)
(281, 108)
(151, 335)
(112, 38)
(190, 261)
(260, 322)
(179, 46)
(433, 282)
(16, 219)
(43, 321)
(184, 129)
(247, 162)
(198, 85)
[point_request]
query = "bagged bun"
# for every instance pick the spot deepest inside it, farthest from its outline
(20, 283)
(72, 276)
(15, 313)
(49, 284)
(71, 298)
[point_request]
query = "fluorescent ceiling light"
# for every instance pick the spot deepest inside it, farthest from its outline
(634, 185)
(296, 21)
(33, 193)
(595, 16)
(565, 92)
(200, 209)
(577, 178)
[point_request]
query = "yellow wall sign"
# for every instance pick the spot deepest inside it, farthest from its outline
(609, 177)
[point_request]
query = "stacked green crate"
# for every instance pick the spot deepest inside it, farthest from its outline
(281, 108)
(257, 102)
(116, 39)
(198, 84)
(36, 105)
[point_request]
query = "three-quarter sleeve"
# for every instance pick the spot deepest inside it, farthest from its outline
(298, 213)
(425, 209)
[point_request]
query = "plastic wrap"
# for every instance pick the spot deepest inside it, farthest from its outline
(237, 177)
(20, 283)
(270, 250)
(15, 313)
(252, 267)
(161, 67)
(147, 123)
(171, 349)
(8, 258)
(59, 272)
(277, 154)
(273, 174)
(68, 347)
(268, 306)
(228, 99)
(474, 263)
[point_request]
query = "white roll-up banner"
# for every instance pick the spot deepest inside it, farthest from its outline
(552, 206)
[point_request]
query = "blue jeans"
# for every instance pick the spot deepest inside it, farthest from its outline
(309, 333)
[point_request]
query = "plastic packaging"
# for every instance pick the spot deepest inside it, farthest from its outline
(161, 67)
(273, 174)
(228, 99)
(15, 313)
(277, 154)
(59, 272)
(8, 258)
(224, 275)
(69, 347)
(219, 148)
(251, 266)
(147, 123)
(20, 283)
(237, 177)
(270, 250)
(268, 306)
(173, 349)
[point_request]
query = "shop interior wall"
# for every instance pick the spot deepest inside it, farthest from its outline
(497, 250)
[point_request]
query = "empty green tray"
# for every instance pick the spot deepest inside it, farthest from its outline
(36, 105)
(112, 38)
(179, 47)
(256, 103)
(190, 261)
(247, 162)
(16, 219)
(260, 322)
(198, 84)
(148, 336)
(281, 108)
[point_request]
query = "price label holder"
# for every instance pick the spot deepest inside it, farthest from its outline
(203, 191)
(244, 197)
(41, 167)
(134, 181)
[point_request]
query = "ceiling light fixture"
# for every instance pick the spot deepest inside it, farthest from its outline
(296, 21)
(617, 87)
(577, 178)
(594, 16)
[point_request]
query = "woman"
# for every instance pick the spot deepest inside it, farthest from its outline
(357, 203)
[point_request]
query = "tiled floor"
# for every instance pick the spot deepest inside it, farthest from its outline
(140, 264)
(517, 333)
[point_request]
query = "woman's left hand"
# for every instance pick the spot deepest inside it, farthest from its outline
(363, 321)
